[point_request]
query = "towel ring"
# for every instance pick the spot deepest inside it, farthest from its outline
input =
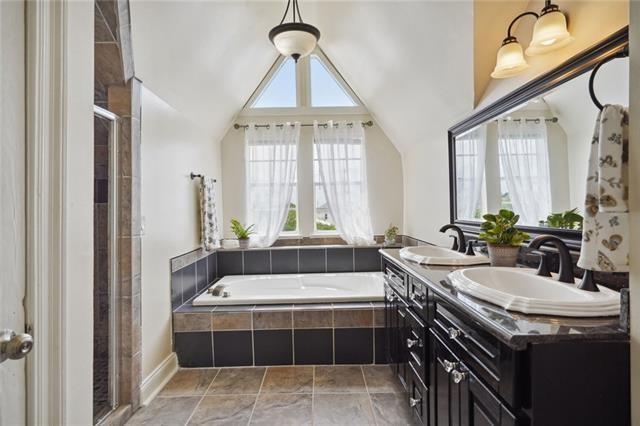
(622, 54)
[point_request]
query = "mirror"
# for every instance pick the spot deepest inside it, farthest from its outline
(531, 157)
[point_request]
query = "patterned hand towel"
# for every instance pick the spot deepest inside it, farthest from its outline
(605, 231)
(208, 214)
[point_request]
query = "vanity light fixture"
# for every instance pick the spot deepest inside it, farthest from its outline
(549, 33)
(296, 39)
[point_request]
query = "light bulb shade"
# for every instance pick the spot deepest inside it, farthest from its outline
(549, 33)
(295, 39)
(510, 61)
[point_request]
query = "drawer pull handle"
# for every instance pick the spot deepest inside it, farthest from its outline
(449, 366)
(413, 342)
(414, 402)
(417, 298)
(459, 376)
(454, 333)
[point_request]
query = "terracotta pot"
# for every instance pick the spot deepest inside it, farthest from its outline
(243, 243)
(501, 255)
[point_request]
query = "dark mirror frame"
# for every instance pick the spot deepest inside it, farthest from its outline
(577, 65)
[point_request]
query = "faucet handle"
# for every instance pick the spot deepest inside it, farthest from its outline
(470, 251)
(455, 246)
(543, 268)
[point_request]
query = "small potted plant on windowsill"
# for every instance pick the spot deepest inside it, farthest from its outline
(502, 237)
(390, 235)
(241, 233)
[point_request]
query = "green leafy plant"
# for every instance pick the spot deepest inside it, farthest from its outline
(392, 232)
(240, 231)
(500, 229)
(569, 219)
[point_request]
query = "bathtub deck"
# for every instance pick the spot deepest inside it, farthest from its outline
(280, 395)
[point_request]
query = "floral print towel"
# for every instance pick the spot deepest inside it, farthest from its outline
(605, 231)
(208, 214)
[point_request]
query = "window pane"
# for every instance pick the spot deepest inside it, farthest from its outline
(325, 90)
(291, 224)
(281, 90)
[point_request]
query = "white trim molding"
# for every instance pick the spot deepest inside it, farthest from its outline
(59, 116)
(153, 384)
(46, 111)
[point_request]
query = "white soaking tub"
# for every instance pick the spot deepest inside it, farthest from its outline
(294, 288)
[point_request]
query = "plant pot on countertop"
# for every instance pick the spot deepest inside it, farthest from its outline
(243, 243)
(503, 255)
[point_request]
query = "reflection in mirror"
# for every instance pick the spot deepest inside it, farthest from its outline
(533, 159)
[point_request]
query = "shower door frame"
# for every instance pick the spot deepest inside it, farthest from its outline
(114, 294)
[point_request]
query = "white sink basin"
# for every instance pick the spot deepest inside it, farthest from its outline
(520, 289)
(433, 255)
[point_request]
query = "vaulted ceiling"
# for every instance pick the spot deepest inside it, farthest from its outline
(411, 62)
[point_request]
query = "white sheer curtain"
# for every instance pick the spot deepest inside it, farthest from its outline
(340, 152)
(471, 149)
(524, 160)
(270, 165)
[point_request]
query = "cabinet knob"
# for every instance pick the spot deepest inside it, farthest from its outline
(459, 376)
(392, 297)
(414, 401)
(449, 366)
(454, 333)
(413, 342)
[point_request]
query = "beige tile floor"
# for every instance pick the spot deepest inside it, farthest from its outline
(301, 395)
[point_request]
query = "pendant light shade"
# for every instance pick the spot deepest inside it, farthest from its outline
(550, 32)
(296, 39)
(510, 59)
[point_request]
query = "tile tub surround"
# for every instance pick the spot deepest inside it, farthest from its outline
(321, 395)
(262, 335)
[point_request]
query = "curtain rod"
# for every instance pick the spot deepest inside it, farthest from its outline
(246, 126)
(535, 120)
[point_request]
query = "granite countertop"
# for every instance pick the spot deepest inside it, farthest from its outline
(514, 329)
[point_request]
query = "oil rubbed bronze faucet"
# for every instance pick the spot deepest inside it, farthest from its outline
(566, 264)
(459, 244)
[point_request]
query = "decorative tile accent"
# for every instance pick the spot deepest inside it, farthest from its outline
(313, 346)
(233, 348)
(273, 347)
(272, 320)
(353, 317)
(340, 260)
(231, 320)
(350, 344)
(257, 262)
(313, 319)
(194, 349)
(191, 322)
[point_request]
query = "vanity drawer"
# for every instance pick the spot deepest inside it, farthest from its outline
(418, 297)
(396, 278)
(418, 398)
(416, 343)
(493, 362)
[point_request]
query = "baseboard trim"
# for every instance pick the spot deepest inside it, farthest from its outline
(153, 384)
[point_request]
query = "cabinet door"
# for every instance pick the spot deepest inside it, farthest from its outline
(391, 327)
(460, 398)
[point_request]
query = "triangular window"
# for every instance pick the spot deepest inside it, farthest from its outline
(280, 91)
(312, 83)
(325, 89)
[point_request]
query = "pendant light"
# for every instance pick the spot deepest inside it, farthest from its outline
(550, 31)
(510, 59)
(296, 39)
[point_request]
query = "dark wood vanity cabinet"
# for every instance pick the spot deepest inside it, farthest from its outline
(455, 372)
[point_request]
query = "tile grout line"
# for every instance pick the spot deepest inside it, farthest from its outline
(258, 395)
(373, 413)
(203, 396)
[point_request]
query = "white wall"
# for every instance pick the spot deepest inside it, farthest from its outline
(384, 175)
(634, 196)
(172, 147)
